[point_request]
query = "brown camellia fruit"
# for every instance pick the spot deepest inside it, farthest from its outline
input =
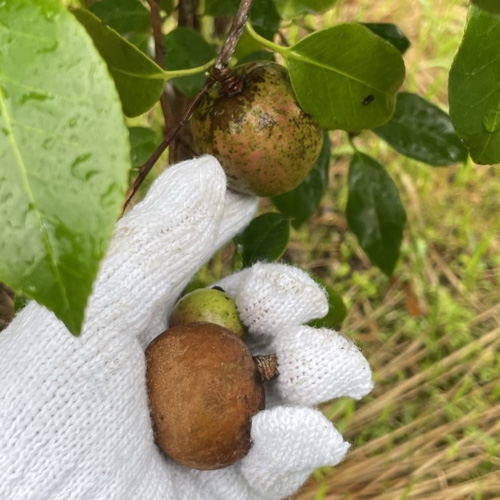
(261, 137)
(204, 387)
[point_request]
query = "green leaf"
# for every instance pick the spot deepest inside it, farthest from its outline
(141, 41)
(263, 14)
(421, 130)
(290, 9)
(264, 18)
(337, 310)
(143, 141)
(64, 157)
(346, 77)
(125, 16)
(264, 239)
(259, 55)
(221, 8)
(391, 33)
(185, 48)
(246, 46)
(374, 212)
(138, 79)
(474, 90)
(302, 202)
(492, 6)
(167, 5)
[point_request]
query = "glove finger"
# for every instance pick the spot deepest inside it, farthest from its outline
(317, 365)
(158, 246)
(222, 484)
(272, 297)
(288, 444)
(239, 210)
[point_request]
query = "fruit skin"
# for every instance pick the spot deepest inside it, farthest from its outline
(208, 305)
(261, 137)
(203, 388)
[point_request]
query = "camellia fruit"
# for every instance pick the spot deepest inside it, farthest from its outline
(260, 135)
(211, 305)
(204, 386)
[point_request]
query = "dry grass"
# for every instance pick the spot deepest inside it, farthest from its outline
(431, 428)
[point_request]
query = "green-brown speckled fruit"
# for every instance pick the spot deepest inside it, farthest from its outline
(262, 138)
(209, 305)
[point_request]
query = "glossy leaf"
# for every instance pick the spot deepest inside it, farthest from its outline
(143, 141)
(246, 46)
(391, 33)
(125, 16)
(263, 15)
(64, 157)
(221, 8)
(290, 9)
(142, 42)
(185, 48)
(302, 202)
(259, 55)
(346, 77)
(474, 90)
(138, 79)
(167, 5)
(492, 6)
(264, 239)
(337, 310)
(374, 212)
(264, 18)
(422, 131)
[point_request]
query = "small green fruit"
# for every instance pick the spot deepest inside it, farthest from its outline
(264, 141)
(208, 305)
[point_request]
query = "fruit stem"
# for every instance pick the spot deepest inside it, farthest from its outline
(267, 364)
(231, 83)
(264, 41)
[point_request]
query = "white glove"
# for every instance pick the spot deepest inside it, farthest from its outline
(74, 417)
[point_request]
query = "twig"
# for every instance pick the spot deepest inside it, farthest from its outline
(220, 65)
(146, 168)
(234, 35)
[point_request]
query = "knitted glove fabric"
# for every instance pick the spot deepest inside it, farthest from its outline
(74, 417)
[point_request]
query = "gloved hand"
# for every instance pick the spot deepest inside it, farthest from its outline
(74, 418)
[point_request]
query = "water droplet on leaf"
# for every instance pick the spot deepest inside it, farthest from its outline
(35, 96)
(77, 169)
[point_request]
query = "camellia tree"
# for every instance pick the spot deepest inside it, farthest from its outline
(72, 154)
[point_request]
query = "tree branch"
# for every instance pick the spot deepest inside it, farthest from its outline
(234, 34)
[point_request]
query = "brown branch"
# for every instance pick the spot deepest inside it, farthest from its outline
(146, 168)
(220, 65)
